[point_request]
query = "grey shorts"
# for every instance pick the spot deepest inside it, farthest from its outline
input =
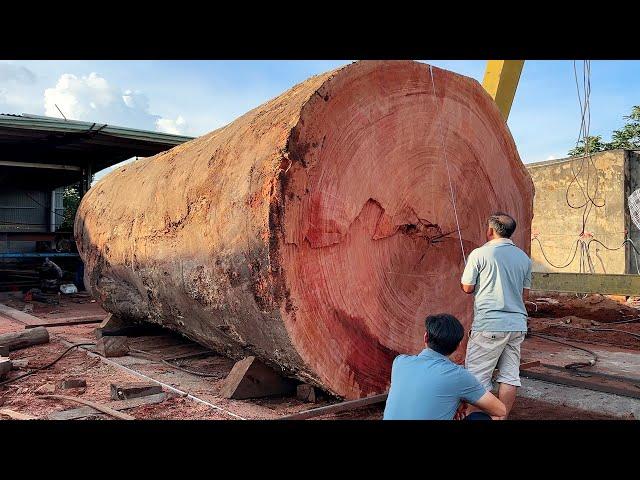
(487, 351)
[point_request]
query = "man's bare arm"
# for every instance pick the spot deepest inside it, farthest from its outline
(467, 288)
(492, 405)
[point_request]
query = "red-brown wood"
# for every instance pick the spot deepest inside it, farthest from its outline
(316, 231)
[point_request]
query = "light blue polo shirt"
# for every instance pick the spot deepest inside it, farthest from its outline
(429, 386)
(500, 271)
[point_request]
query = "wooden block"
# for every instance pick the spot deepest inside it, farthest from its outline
(109, 324)
(306, 393)
(112, 346)
(25, 338)
(126, 391)
(72, 383)
(5, 366)
(250, 378)
(19, 363)
(45, 389)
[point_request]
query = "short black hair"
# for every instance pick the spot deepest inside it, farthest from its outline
(503, 224)
(444, 333)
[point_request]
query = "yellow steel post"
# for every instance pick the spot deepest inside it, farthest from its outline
(501, 81)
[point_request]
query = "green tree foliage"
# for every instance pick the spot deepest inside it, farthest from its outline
(591, 145)
(628, 137)
(71, 200)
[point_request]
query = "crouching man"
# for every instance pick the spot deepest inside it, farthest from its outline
(429, 386)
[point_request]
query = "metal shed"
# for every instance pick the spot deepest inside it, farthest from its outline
(40, 156)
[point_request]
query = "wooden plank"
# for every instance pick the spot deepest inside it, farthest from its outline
(250, 378)
(19, 316)
(119, 405)
(63, 322)
(12, 414)
(338, 407)
(97, 406)
(603, 283)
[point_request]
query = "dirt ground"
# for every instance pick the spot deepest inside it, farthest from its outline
(25, 396)
(594, 319)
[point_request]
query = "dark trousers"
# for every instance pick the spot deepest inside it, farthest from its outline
(477, 416)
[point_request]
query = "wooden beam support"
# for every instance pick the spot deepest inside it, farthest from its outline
(250, 378)
(501, 81)
(602, 283)
(306, 393)
(112, 346)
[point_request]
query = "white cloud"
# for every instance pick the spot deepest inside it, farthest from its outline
(92, 98)
(168, 125)
(551, 157)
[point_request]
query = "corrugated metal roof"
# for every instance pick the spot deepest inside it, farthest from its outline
(38, 139)
(52, 124)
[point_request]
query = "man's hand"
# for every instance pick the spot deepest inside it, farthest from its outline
(461, 412)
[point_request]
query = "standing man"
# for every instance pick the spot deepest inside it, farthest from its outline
(499, 276)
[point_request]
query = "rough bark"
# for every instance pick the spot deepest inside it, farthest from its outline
(316, 231)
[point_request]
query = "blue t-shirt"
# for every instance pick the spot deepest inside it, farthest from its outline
(429, 386)
(500, 271)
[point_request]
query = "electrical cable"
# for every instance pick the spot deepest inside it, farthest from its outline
(444, 154)
(570, 366)
(38, 369)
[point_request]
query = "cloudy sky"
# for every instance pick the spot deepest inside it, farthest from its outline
(195, 97)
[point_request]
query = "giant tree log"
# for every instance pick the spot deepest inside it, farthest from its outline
(316, 231)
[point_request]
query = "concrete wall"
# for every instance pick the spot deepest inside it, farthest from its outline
(559, 226)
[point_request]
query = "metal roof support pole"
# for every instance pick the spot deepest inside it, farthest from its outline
(89, 174)
(52, 213)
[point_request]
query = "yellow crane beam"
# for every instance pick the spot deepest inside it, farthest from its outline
(501, 81)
